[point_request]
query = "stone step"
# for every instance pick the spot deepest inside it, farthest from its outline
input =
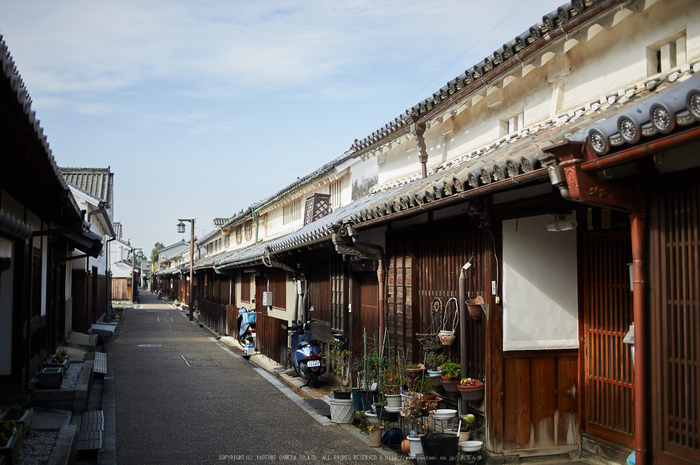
(91, 429)
(100, 366)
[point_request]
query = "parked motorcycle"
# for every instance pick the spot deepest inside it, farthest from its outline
(306, 355)
(245, 323)
(160, 294)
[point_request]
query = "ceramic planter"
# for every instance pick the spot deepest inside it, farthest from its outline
(50, 378)
(447, 337)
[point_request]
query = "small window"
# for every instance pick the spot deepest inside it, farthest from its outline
(511, 124)
(336, 195)
(239, 234)
(248, 230)
(667, 54)
(291, 213)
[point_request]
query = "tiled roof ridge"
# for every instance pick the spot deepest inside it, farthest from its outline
(11, 73)
(602, 102)
(583, 11)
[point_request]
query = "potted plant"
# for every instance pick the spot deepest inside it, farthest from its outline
(391, 383)
(50, 378)
(451, 372)
(10, 441)
(340, 359)
(471, 389)
(375, 434)
(17, 414)
(413, 413)
(433, 362)
(60, 360)
(467, 424)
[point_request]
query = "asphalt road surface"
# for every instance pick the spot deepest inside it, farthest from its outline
(183, 399)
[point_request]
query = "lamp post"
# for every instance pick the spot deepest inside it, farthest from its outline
(134, 286)
(181, 230)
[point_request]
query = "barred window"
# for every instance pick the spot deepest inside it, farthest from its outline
(291, 212)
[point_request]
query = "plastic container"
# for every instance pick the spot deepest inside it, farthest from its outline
(440, 448)
(249, 349)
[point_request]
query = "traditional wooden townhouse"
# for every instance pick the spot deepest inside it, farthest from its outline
(552, 187)
(120, 268)
(90, 280)
(170, 263)
(41, 225)
(543, 208)
(254, 269)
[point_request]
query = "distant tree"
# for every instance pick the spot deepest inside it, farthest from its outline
(154, 252)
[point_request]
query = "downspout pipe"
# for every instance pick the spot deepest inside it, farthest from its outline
(582, 186)
(423, 151)
(463, 350)
(339, 237)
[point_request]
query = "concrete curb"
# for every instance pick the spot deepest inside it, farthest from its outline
(63, 451)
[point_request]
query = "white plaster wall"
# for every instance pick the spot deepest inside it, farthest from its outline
(616, 58)
(540, 299)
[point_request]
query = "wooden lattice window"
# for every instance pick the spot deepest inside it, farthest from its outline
(317, 206)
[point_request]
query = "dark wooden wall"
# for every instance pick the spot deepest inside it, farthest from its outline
(272, 338)
(674, 284)
(540, 407)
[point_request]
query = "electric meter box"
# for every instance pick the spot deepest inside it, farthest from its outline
(267, 299)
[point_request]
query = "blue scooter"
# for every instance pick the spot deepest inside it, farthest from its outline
(306, 355)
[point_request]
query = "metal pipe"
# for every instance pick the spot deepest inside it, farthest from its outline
(463, 353)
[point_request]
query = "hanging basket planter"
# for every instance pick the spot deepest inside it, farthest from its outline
(447, 337)
(475, 308)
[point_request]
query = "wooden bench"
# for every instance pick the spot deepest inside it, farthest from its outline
(100, 365)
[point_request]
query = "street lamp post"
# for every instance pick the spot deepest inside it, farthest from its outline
(181, 230)
(134, 286)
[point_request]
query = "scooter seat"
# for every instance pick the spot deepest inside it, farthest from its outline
(312, 342)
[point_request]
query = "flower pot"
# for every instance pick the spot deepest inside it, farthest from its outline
(450, 384)
(371, 418)
(415, 446)
(474, 307)
(342, 411)
(10, 451)
(375, 437)
(339, 394)
(447, 337)
(472, 393)
(63, 365)
(464, 436)
(393, 400)
(357, 399)
(50, 378)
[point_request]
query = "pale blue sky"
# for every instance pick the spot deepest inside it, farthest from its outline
(203, 108)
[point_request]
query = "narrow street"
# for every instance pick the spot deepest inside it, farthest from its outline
(182, 398)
